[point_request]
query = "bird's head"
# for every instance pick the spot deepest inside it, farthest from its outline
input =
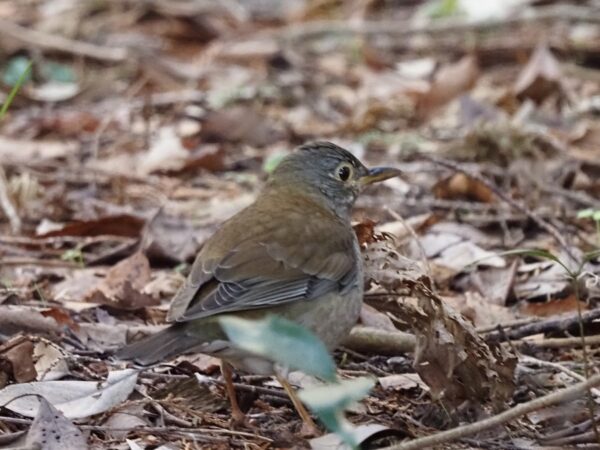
(329, 173)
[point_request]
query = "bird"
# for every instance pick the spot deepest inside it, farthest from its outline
(292, 253)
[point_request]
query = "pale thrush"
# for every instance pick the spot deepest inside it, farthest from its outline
(291, 253)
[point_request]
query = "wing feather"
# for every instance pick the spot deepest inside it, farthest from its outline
(268, 269)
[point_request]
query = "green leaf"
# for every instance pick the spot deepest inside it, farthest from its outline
(536, 253)
(17, 71)
(283, 342)
(336, 396)
(437, 9)
(591, 256)
(273, 161)
(596, 216)
(61, 73)
(329, 401)
(585, 213)
(24, 75)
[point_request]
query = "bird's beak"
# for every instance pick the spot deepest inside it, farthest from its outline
(377, 174)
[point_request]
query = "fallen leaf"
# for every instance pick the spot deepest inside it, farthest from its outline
(480, 311)
(172, 240)
(207, 157)
(77, 285)
(123, 286)
(461, 186)
(53, 91)
(50, 360)
(553, 307)
(75, 399)
(403, 381)
(241, 124)
(449, 82)
(119, 225)
(366, 436)
(541, 76)
(365, 231)
(127, 417)
(51, 430)
(166, 153)
(464, 254)
(34, 150)
(495, 284)
(19, 353)
(454, 360)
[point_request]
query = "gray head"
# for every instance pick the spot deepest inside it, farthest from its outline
(328, 173)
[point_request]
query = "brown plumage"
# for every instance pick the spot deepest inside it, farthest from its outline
(291, 253)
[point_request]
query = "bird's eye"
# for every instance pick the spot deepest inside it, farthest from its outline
(344, 171)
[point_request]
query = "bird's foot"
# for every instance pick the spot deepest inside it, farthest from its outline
(309, 430)
(238, 419)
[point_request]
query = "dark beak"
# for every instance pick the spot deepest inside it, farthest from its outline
(377, 174)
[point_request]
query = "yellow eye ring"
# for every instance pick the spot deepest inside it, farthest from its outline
(344, 171)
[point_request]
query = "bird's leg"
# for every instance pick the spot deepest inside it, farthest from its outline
(309, 428)
(236, 413)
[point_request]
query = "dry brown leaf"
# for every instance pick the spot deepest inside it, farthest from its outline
(541, 76)
(449, 82)
(461, 186)
(365, 231)
(495, 284)
(452, 358)
(480, 311)
(120, 225)
(553, 307)
(207, 157)
(241, 124)
(19, 353)
(124, 283)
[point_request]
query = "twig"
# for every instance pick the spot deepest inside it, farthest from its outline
(18, 261)
(6, 204)
(562, 396)
(551, 229)
(559, 342)
(47, 41)
(560, 367)
(399, 29)
(554, 324)
(149, 429)
(380, 342)
(511, 324)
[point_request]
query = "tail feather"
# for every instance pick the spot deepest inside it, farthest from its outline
(162, 346)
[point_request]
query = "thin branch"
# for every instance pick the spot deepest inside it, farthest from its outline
(556, 398)
(551, 229)
(320, 28)
(47, 41)
(551, 325)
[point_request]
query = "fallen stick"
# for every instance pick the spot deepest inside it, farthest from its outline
(47, 41)
(562, 396)
(380, 342)
(558, 342)
(555, 324)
